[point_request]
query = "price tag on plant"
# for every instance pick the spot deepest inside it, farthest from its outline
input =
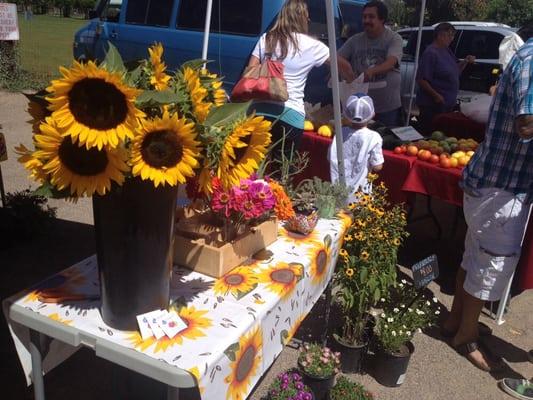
(425, 271)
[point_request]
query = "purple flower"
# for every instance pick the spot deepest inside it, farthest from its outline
(307, 396)
(296, 377)
(299, 385)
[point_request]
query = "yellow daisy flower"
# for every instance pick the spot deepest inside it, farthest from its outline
(246, 366)
(343, 252)
(348, 238)
(93, 106)
(396, 242)
(349, 272)
(364, 255)
(165, 150)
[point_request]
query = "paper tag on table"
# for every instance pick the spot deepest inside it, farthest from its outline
(143, 320)
(171, 323)
(407, 133)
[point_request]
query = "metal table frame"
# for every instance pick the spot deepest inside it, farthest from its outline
(42, 327)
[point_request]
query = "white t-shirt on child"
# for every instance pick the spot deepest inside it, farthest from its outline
(312, 53)
(362, 151)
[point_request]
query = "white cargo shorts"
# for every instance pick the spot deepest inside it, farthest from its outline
(496, 221)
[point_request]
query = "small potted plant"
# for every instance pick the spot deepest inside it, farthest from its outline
(330, 197)
(289, 385)
(405, 313)
(319, 365)
(366, 269)
(306, 212)
(346, 389)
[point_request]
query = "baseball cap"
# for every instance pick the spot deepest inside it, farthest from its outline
(359, 108)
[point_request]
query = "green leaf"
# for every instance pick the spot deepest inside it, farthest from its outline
(195, 64)
(113, 61)
(44, 190)
(133, 76)
(230, 351)
(226, 114)
(157, 98)
(327, 241)
(377, 295)
(363, 275)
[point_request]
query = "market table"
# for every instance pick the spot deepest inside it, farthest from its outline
(236, 325)
(403, 174)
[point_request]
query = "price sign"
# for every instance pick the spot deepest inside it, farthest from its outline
(425, 271)
(9, 29)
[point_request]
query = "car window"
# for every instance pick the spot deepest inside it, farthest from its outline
(239, 17)
(318, 25)
(109, 10)
(482, 44)
(149, 12)
(409, 50)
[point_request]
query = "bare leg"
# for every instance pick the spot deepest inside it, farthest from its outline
(454, 319)
(469, 331)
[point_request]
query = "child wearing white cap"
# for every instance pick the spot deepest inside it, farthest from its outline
(361, 146)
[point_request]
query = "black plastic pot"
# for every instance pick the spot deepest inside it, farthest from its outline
(352, 356)
(390, 369)
(134, 226)
(319, 385)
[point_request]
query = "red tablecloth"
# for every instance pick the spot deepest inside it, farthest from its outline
(394, 173)
(459, 125)
(317, 147)
(435, 181)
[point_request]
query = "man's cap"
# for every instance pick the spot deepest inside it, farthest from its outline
(359, 108)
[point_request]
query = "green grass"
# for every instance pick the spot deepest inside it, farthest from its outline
(45, 44)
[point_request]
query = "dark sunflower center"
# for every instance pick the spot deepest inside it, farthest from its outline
(234, 279)
(240, 152)
(97, 104)
(162, 149)
(81, 161)
(321, 260)
(284, 276)
(245, 364)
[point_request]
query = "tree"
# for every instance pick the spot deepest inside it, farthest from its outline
(511, 12)
(469, 10)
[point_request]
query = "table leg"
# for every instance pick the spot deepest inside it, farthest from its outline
(36, 365)
(173, 393)
(327, 312)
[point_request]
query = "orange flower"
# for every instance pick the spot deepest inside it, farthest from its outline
(283, 207)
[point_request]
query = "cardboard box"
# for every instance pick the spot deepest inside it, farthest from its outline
(197, 252)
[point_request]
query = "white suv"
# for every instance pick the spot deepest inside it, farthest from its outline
(481, 39)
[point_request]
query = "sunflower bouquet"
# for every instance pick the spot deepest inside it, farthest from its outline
(366, 267)
(100, 124)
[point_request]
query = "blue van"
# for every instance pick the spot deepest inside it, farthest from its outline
(133, 25)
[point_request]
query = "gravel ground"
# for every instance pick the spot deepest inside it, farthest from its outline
(435, 371)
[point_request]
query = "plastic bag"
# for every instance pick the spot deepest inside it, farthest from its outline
(478, 108)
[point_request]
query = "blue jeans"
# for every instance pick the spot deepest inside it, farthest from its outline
(390, 118)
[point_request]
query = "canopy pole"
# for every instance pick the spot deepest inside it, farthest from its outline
(330, 17)
(207, 27)
(417, 56)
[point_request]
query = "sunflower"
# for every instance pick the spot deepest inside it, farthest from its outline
(243, 150)
(239, 281)
(349, 272)
(282, 278)
(165, 150)
(197, 94)
(158, 79)
(320, 258)
(246, 365)
(93, 105)
(364, 255)
(197, 324)
(216, 94)
(31, 163)
(81, 170)
(286, 338)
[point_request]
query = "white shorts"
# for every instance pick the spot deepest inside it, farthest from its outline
(496, 221)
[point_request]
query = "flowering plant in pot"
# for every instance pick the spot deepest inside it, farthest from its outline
(345, 389)
(319, 365)
(289, 385)
(366, 269)
(128, 138)
(405, 313)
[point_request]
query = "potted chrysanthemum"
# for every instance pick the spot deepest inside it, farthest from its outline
(319, 365)
(128, 138)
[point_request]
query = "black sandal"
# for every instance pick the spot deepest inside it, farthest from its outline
(484, 330)
(466, 348)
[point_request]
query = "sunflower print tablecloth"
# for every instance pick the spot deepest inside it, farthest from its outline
(236, 325)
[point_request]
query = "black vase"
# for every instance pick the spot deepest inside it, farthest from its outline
(134, 226)
(390, 368)
(352, 356)
(319, 385)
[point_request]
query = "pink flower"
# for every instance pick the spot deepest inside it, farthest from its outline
(262, 195)
(248, 207)
(221, 202)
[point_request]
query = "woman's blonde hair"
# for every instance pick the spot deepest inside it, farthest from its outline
(293, 18)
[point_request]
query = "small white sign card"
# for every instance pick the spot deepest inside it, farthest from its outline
(9, 29)
(171, 323)
(407, 133)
